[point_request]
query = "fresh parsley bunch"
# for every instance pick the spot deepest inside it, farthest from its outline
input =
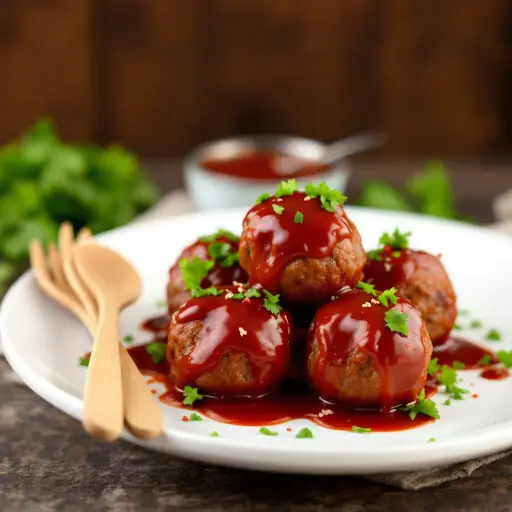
(44, 181)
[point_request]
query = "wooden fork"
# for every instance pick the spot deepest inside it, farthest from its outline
(60, 281)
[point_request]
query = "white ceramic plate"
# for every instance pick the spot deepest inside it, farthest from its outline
(42, 343)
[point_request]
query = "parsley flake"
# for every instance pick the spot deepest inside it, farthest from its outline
(194, 271)
(205, 292)
(463, 312)
(214, 434)
(286, 188)
(458, 365)
(487, 359)
(493, 335)
(156, 351)
(191, 395)
(271, 302)
(221, 252)
(388, 296)
(195, 417)
(367, 288)
(431, 440)
(395, 240)
(330, 198)
(360, 430)
(262, 198)
(448, 377)
(278, 209)
(457, 327)
(304, 433)
(396, 321)
(299, 217)
(84, 361)
(252, 292)
(505, 358)
(447, 402)
(433, 367)
(267, 432)
(374, 255)
(422, 406)
(396, 254)
(475, 324)
(160, 304)
(128, 338)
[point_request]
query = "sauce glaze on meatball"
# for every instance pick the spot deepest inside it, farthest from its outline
(292, 246)
(229, 347)
(355, 359)
(421, 278)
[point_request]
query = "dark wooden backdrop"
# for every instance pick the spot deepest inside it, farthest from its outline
(162, 75)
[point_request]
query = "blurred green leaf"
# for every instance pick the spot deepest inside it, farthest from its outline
(6, 274)
(377, 194)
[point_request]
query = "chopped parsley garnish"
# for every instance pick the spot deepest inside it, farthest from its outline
(271, 302)
(262, 198)
(205, 292)
(329, 197)
(278, 209)
(448, 377)
(475, 324)
(457, 327)
(505, 358)
(433, 367)
(221, 252)
(396, 322)
(360, 430)
(160, 304)
(458, 365)
(388, 296)
(128, 338)
(195, 417)
(190, 395)
(463, 312)
(286, 188)
(214, 434)
(194, 271)
(422, 406)
(252, 292)
(367, 288)
(487, 359)
(431, 440)
(395, 240)
(447, 402)
(396, 254)
(156, 351)
(299, 217)
(304, 433)
(220, 233)
(493, 335)
(267, 432)
(374, 255)
(83, 361)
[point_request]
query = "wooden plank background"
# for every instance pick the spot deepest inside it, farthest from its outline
(160, 76)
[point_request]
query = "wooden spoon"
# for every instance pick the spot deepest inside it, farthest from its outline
(141, 413)
(114, 283)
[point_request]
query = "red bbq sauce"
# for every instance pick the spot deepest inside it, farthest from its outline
(218, 275)
(276, 240)
(464, 351)
(344, 330)
(495, 373)
(235, 328)
(264, 165)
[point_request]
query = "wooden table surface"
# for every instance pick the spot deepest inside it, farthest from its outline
(47, 462)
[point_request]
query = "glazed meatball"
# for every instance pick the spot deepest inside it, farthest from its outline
(226, 346)
(224, 272)
(294, 246)
(366, 355)
(421, 278)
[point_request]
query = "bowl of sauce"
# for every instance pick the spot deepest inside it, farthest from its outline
(234, 172)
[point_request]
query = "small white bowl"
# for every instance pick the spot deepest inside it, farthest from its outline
(212, 190)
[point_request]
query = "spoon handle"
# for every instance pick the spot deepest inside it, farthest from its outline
(103, 399)
(352, 145)
(141, 413)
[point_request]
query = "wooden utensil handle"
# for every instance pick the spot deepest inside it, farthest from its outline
(103, 399)
(141, 413)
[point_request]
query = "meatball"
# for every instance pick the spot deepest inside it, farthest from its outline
(355, 356)
(421, 278)
(229, 347)
(294, 246)
(223, 243)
